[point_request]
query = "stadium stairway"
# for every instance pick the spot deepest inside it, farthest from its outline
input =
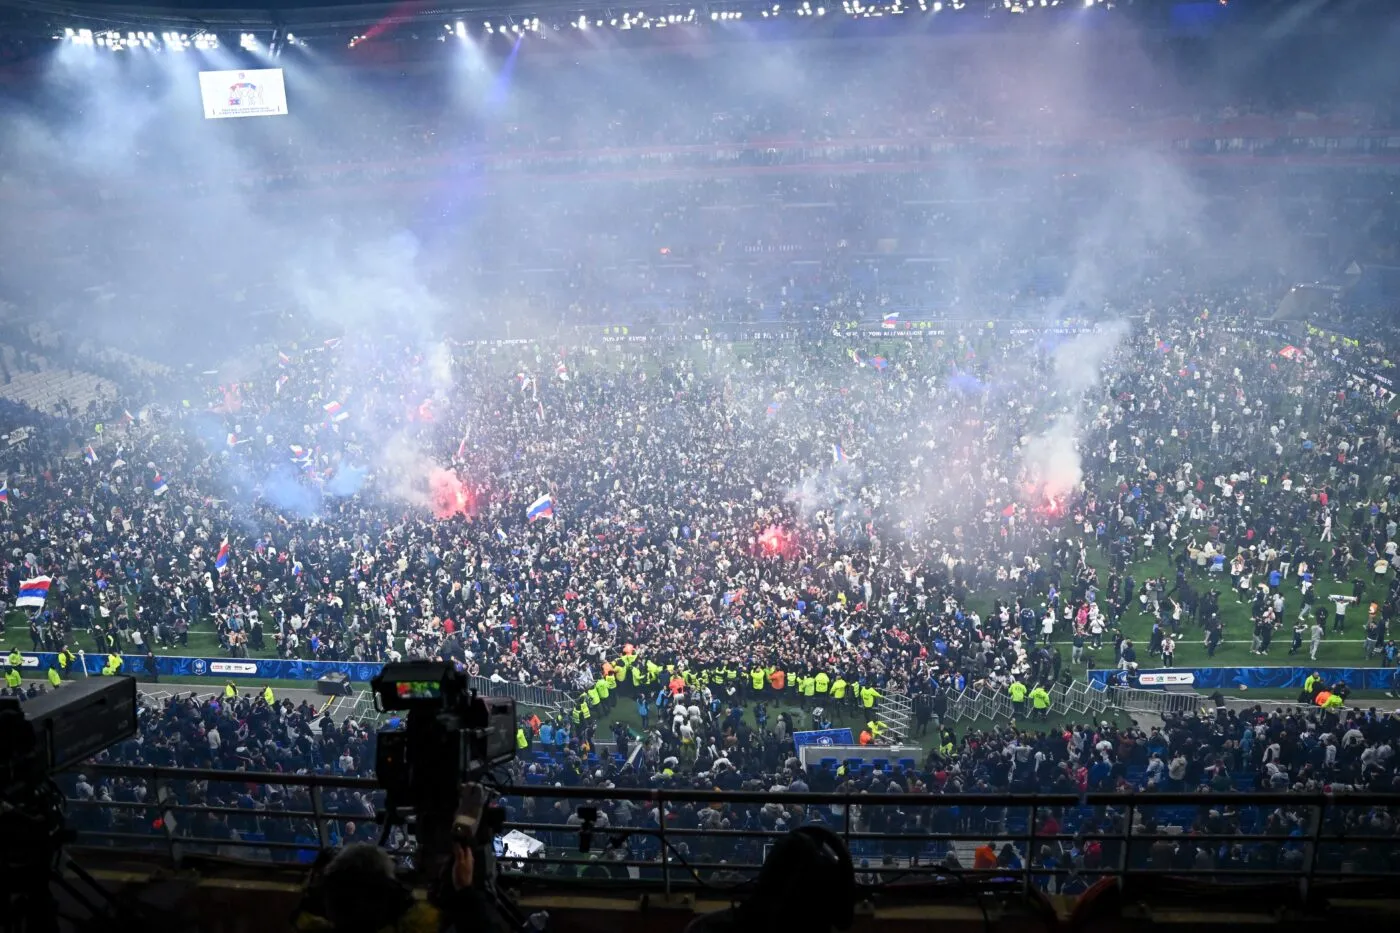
(896, 711)
(50, 390)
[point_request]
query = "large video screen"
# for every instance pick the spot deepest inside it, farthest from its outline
(258, 93)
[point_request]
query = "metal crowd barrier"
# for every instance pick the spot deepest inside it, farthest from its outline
(1135, 700)
(993, 704)
(523, 694)
(669, 838)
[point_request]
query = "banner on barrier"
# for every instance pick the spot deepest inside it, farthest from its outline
(1248, 678)
(823, 737)
(263, 669)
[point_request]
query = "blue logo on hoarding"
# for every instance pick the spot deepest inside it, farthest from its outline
(197, 666)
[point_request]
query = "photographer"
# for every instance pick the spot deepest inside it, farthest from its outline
(358, 892)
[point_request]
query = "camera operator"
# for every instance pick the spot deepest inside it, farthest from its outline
(358, 892)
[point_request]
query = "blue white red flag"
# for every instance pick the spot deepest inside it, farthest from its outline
(283, 359)
(543, 507)
(33, 593)
(773, 408)
(838, 454)
(158, 487)
(890, 321)
(90, 455)
(221, 561)
(331, 409)
(5, 493)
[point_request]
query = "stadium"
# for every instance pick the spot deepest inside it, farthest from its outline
(885, 463)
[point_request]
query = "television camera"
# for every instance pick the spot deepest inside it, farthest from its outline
(434, 760)
(40, 738)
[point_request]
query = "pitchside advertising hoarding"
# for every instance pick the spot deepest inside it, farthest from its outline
(256, 93)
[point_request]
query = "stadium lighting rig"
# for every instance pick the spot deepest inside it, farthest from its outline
(460, 24)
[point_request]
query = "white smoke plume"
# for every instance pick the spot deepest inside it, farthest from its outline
(1052, 462)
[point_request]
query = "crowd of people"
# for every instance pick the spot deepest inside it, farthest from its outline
(720, 516)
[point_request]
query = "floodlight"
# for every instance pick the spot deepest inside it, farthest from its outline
(461, 29)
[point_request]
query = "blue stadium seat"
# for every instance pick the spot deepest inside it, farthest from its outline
(881, 764)
(908, 764)
(828, 764)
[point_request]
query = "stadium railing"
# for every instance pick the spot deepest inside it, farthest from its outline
(1301, 839)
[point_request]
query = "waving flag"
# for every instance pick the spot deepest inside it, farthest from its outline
(890, 321)
(462, 446)
(5, 493)
(127, 417)
(283, 359)
(299, 452)
(33, 593)
(1290, 352)
(562, 371)
(331, 344)
(1009, 511)
(331, 409)
(281, 381)
(526, 381)
(232, 439)
(543, 507)
(773, 408)
(158, 487)
(880, 363)
(90, 455)
(221, 561)
(838, 454)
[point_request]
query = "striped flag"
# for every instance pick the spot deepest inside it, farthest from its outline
(838, 454)
(33, 593)
(90, 455)
(158, 486)
(890, 321)
(221, 561)
(543, 507)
